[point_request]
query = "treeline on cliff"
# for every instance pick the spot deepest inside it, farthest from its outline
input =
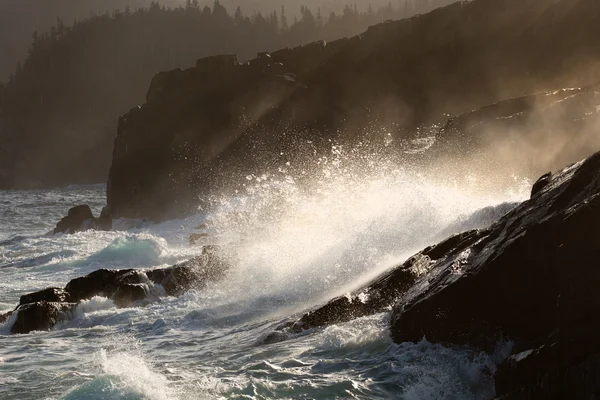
(58, 111)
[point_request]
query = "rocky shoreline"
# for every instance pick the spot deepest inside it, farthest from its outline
(529, 279)
(42, 310)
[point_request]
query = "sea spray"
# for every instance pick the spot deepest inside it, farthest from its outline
(294, 243)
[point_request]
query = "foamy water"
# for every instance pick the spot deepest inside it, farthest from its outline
(292, 246)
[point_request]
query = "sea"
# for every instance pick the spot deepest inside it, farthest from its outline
(292, 247)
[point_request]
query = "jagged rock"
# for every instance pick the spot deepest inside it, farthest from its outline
(74, 219)
(531, 273)
(40, 316)
(51, 295)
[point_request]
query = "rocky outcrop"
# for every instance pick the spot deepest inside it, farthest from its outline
(382, 293)
(220, 119)
(43, 309)
(531, 279)
(80, 218)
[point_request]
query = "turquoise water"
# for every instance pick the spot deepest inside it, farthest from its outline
(290, 249)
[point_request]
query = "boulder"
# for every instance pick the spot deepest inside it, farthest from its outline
(103, 283)
(40, 316)
(74, 219)
(81, 218)
(129, 293)
(541, 183)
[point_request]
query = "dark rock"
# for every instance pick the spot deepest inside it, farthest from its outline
(80, 218)
(541, 183)
(566, 368)
(129, 293)
(74, 219)
(40, 316)
(381, 293)
(103, 283)
(529, 274)
(104, 222)
(196, 273)
(4, 317)
(42, 310)
(51, 295)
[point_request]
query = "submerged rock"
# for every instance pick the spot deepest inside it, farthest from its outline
(42, 310)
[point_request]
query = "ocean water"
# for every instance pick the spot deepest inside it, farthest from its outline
(292, 247)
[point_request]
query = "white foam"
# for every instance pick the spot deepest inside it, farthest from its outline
(92, 305)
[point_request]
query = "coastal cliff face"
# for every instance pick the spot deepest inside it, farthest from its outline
(219, 118)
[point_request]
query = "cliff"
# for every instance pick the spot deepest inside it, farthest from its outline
(202, 125)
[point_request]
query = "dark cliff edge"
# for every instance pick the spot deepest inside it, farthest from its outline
(200, 125)
(530, 278)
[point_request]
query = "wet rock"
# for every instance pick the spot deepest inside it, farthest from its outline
(383, 292)
(531, 278)
(52, 295)
(531, 273)
(80, 218)
(104, 222)
(74, 219)
(565, 368)
(103, 283)
(43, 309)
(129, 293)
(4, 317)
(40, 316)
(196, 273)
(541, 183)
